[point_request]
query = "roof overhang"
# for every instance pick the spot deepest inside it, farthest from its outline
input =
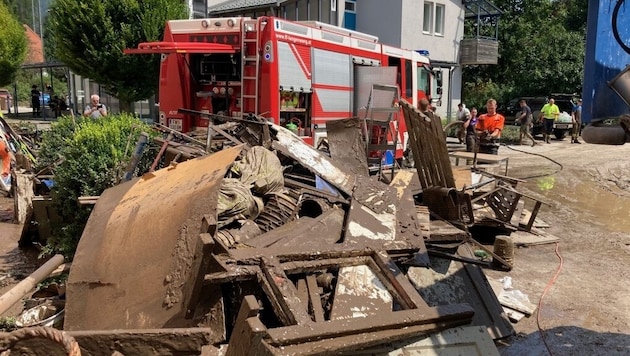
(180, 47)
(481, 9)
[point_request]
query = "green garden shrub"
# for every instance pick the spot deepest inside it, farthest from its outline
(87, 156)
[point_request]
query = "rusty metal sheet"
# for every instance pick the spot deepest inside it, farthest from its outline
(345, 142)
(292, 146)
(448, 282)
(132, 268)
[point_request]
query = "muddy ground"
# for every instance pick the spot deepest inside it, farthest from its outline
(586, 310)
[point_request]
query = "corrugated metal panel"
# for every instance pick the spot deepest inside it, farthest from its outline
(334, 100)
(291, 27)
(332, 68)
(240, 4)
(291, 73)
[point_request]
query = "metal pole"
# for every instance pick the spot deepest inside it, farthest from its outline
(33, 14)
(41, 27)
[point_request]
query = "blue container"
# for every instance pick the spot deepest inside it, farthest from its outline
(605, 59)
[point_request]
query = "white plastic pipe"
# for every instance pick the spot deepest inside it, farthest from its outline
(16, 293)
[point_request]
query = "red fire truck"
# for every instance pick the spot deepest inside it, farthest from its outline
(294, 73)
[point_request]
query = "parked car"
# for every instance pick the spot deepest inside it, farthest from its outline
(560, 128)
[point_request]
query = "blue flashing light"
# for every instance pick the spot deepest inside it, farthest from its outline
(423, 52)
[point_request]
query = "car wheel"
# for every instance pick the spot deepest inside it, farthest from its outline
(560, 134)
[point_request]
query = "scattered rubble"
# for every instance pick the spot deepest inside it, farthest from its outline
(269, 246)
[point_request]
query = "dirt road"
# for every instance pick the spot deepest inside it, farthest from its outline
(586, 311)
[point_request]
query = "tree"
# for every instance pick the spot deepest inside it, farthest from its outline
(89, 36)
(13, 45)
(541, 50)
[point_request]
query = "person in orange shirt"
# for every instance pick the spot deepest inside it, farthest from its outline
(5, 168)
(489, 128)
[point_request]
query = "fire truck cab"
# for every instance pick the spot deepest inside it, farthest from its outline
(300, 74)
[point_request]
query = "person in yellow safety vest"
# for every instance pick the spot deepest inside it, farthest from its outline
(549, 113)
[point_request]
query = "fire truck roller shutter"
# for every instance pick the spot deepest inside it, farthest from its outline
(294, 66)
(333, 70)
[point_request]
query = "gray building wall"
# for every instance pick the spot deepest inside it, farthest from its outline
(382, 19)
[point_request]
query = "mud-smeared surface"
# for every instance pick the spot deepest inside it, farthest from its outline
(15, 263)
(587, 310)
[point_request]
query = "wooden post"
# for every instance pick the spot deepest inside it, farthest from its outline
(23, 196)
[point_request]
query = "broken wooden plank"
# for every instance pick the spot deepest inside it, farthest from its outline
(314, 297)
(248, 330)
(292, 146)
(448, 282)
(524, 238)
(443, 231)
(252, 256)
(144, 341)
(405, 292)
(396, 320)
(22, 184)
(302, 292)
(286, 296)
(349, 344)
(424, 220)
(513, 315)
(462, 340)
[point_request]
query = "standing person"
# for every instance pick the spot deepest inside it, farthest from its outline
(426, 108)
(526, 120)
(469, 126)
(35, 103)
(462, 114)
(95, 110)
(550, 113)
(489, 128)
(576, 116)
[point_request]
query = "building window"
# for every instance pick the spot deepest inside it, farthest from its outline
(433, 19)
(439, 19)
(427, 24)
(351, 6)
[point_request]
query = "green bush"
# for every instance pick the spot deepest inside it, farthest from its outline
(88, 156)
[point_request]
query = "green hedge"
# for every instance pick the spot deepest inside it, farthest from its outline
(87, 156)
